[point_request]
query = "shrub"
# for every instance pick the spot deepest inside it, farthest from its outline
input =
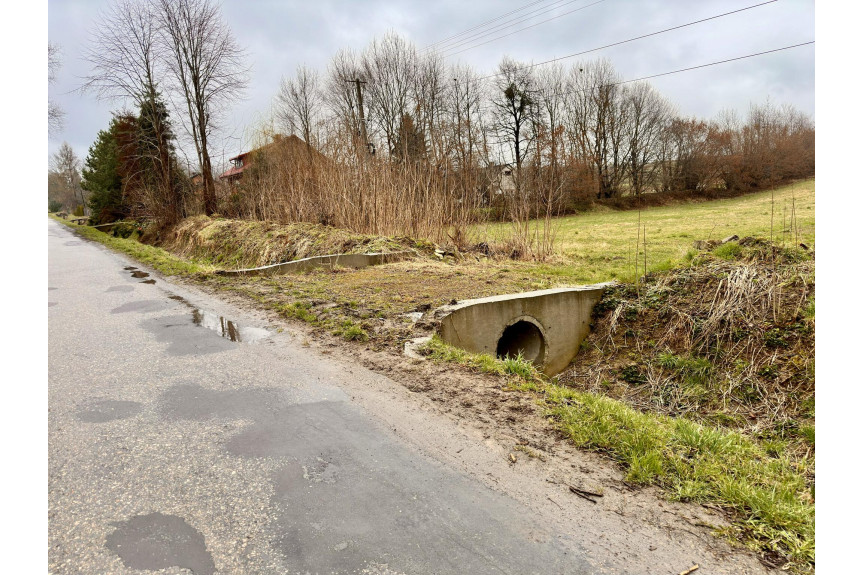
(124, 230)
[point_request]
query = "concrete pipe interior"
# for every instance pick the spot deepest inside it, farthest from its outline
(522, 337)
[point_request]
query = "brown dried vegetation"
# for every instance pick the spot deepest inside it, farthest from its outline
(724, 341)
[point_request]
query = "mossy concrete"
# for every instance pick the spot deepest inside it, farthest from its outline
(344, 260)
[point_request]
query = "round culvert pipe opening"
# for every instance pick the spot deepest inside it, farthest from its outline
(525, 338)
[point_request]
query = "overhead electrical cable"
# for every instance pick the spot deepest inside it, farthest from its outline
(716, 63)
(507, 24)
(527, 28)
(637, 38)
(430, 46)
(713, 63)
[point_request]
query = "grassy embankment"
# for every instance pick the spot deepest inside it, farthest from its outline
(595, 247)
(766, 486)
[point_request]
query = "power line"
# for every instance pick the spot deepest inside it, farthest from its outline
(527, 28)
(714, 63)
(485, 23)
(636, 38)
(509, 23)
(680, 70)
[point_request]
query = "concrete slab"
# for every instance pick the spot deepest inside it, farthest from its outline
(344, 260)
(545, 326)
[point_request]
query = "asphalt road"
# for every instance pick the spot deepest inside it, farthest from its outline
(187, 436)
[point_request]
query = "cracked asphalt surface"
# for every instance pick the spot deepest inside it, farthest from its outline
(179, 444)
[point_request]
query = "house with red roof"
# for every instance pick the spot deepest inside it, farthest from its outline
(242, 162)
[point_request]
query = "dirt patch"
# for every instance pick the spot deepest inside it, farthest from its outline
(383, 301)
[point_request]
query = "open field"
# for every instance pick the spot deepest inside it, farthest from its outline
(598, 246)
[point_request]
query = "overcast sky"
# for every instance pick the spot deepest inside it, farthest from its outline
(279, 35)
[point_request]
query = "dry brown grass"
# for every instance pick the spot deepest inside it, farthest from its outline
(724, 341)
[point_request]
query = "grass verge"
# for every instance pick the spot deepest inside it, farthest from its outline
(525, 371)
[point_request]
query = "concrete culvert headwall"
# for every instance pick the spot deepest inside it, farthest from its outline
(546, 327)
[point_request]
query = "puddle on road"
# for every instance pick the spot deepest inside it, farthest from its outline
(227, 328)
(156, 541)
(52, 303)
(138, 274)
(123, 289)
(185, 337)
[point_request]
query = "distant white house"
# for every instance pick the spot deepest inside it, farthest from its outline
(505, 181)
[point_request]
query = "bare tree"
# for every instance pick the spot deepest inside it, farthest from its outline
(341, 96)
(55, 113)
(595, 122)
(208, 67)
(430, 94)
(390, 68)
(67, 165)
(126, 64)
(690, 158)
(299, 104)
(647, 115)
(514, 106)
(551, 94)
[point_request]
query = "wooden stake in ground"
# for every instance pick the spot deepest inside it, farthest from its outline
(637, 238)
(644, 239)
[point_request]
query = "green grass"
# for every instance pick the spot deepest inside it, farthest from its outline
(351, 331)
(693, 370)
(298, 310)
(767, 495)
(438, 350)
(729, 251)
(600, 245)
